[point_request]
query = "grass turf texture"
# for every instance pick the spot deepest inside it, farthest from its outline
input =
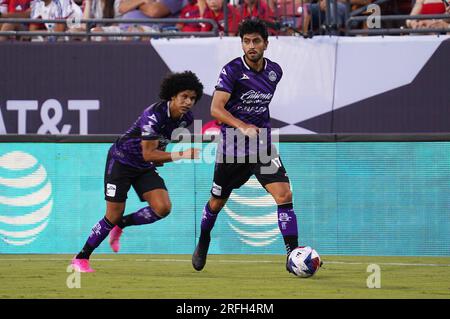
(225, 276)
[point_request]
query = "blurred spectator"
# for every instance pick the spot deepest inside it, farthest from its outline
(144, 9)
(14, 9)
(395, 7)
(256, 8)
(356, 5)
(3, 7)
(100, 9)
(292, 15)
(193, 10)
(428, 7)
(259, 9)
(215, 11)
(54, 9)
(317, 14)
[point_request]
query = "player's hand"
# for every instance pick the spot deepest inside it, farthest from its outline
(191, 153)
(249, 130)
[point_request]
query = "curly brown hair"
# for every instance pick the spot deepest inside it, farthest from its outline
(175, 83)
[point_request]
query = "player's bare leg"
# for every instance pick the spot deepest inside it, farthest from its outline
(159, 206)
(212, 209)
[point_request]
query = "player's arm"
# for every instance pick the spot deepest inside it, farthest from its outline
(151, 153)
(219, 112)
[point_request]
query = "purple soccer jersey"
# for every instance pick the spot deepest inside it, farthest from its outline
(251, 93)
(154, 123)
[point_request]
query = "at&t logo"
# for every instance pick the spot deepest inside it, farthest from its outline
(25, 198)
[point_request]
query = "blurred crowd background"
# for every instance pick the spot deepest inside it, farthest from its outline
(305, 18)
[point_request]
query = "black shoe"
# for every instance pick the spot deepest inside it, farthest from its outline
(199, 255)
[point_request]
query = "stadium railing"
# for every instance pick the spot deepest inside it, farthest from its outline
(401, 30)
(88, 33)
(285, 21)
(353, 17)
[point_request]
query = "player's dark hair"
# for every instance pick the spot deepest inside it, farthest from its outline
(253, 25)
(175, 83)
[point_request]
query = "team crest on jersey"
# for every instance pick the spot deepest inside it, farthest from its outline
(272, 76)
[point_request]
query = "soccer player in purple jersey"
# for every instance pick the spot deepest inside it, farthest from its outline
(241, 100)
(132, 161)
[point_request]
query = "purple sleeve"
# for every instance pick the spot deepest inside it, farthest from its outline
(226, 80)
(281, 74)
(150, 126)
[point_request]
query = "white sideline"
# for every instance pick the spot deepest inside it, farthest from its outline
(326, 262)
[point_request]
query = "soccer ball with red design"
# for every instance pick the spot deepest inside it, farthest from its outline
(304, 261)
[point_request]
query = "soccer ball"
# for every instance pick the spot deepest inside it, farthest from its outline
(304, 261)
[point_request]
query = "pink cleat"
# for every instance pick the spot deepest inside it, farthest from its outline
(114, 237)
(81, 265)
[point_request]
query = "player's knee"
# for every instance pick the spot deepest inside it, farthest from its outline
(114, 213)
(216, 204)
(162, 209)
(113, 218)
(283, 198)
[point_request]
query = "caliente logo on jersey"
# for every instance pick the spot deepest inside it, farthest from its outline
(25, 198)
(253, 215)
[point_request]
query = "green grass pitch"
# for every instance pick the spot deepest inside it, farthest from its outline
(225, 276)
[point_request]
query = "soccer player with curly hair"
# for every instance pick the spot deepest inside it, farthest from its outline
(132, 161)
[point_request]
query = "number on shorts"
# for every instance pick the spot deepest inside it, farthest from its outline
(276, 162)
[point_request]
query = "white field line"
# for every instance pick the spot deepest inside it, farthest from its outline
(235, 261)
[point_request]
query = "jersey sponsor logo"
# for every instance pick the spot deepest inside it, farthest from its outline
(111, 190)
(23, 217)
(256, 97)
(216, 189)
(245, 77)
(272, 76)
(252, 109)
